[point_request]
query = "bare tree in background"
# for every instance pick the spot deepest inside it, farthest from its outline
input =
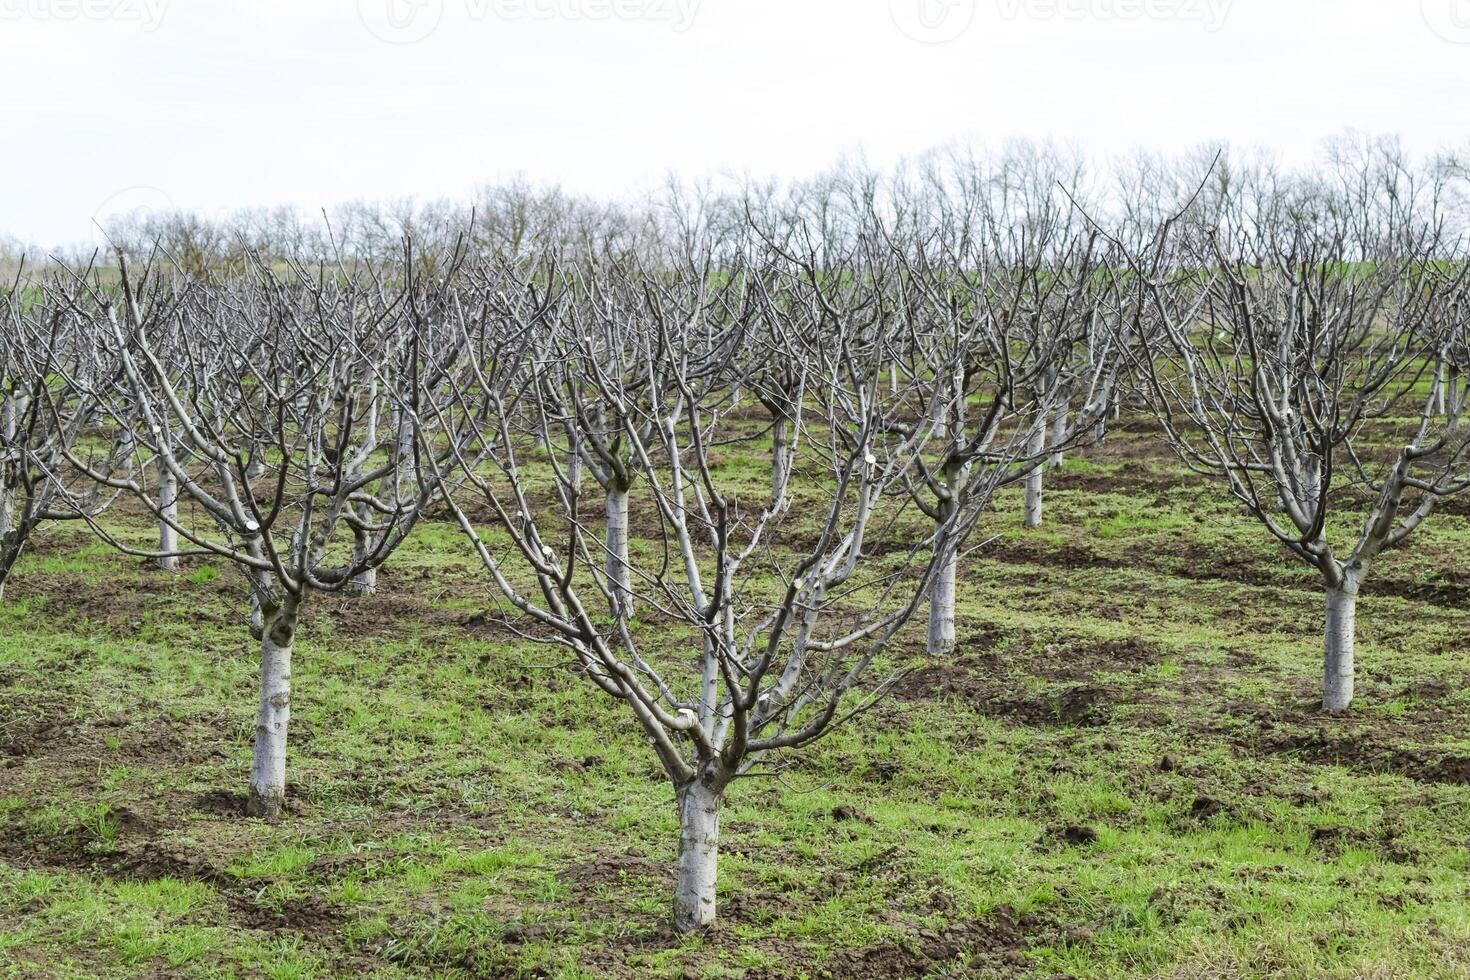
(1007, 363)
(1312, 356)
(293, 368)
(45, 414)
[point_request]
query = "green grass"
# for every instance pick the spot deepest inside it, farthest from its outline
(1120, 773)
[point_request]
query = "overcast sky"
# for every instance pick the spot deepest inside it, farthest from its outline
(210, 104)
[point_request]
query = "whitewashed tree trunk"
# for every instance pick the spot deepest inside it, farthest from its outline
(168, 509)
(1337, 673)
(780, 458)
(8, 417)
(699, 846)
(941, 637)
(1034, 478)
(268, 773)
(941, 607)
(1058, 433)
(8, 422)
(9, 549)
(618, 570)
(364, 582)
(7, 506)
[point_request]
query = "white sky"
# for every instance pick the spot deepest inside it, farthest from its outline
(217, 104)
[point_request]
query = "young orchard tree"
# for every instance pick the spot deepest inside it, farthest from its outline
(1015, 217)
(1300, 360)
(777, 641)
(779, 384)
(1007, 383)
(44, 415)
(295, 367)
(1004, 336)
(1061, 323)
(603, 433)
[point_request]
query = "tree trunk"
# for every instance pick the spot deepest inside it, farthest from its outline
(268, 774)
(8, 418)
(699, 847)
(1337, 673)
(1033, 498)
(941, 607)
(1034, 449)
(7, 562)
(1058, 433)
(364, 582)
(168, 508)
(780, 463)
(12, 538)
(618, 571)
(257, 615)
(7, 507)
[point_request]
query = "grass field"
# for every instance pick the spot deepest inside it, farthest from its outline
(1121, 772)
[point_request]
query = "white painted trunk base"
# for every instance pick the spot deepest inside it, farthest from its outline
(7, 510)
(941, 607)
(1035, 448)
(1337, 671)
(780, 459)
(168, 506)
(699, 846)
(268, 772)
(1058, 433)
(618, 573)
(1033, 498)
(364, 582)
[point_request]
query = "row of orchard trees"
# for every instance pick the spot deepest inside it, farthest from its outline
(898, 349)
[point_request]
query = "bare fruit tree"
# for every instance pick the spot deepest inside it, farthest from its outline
(283, 376)
(46, 413)
(777, 624)
(1311, 354)
(1008, 358)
